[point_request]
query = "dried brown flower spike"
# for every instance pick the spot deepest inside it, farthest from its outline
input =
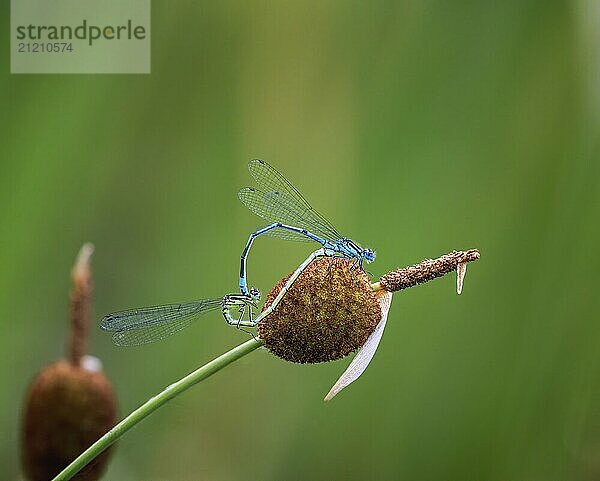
(71, 402)
(428, 270)
(327, 313)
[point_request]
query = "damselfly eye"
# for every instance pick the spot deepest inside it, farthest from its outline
(369, 255)
(255, 294)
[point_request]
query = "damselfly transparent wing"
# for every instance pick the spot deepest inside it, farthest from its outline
(366, 352)
(134, 327)
(277, 207)
(257, 201)
(270, 179)
(285, 208)
(282, 202)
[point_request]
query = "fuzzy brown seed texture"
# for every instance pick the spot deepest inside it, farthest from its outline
(327, 313)
(67, 408)
(426, 270)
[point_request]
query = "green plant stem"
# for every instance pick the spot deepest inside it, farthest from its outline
(154, 403)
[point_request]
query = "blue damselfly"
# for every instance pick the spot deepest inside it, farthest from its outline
(292, 217)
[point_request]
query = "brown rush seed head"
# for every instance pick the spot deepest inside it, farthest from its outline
(67, 407)
(327, 313)
(426, 270)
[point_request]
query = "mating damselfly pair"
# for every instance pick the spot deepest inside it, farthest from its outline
(290, 217)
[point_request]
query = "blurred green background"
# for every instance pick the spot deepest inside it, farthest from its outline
(417, 128)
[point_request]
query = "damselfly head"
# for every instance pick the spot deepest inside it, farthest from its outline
(368, 254)
(255, 294)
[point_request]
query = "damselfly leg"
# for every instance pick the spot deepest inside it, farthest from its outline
(244, 303)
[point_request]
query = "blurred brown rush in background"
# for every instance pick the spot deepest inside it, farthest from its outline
(70, 403)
